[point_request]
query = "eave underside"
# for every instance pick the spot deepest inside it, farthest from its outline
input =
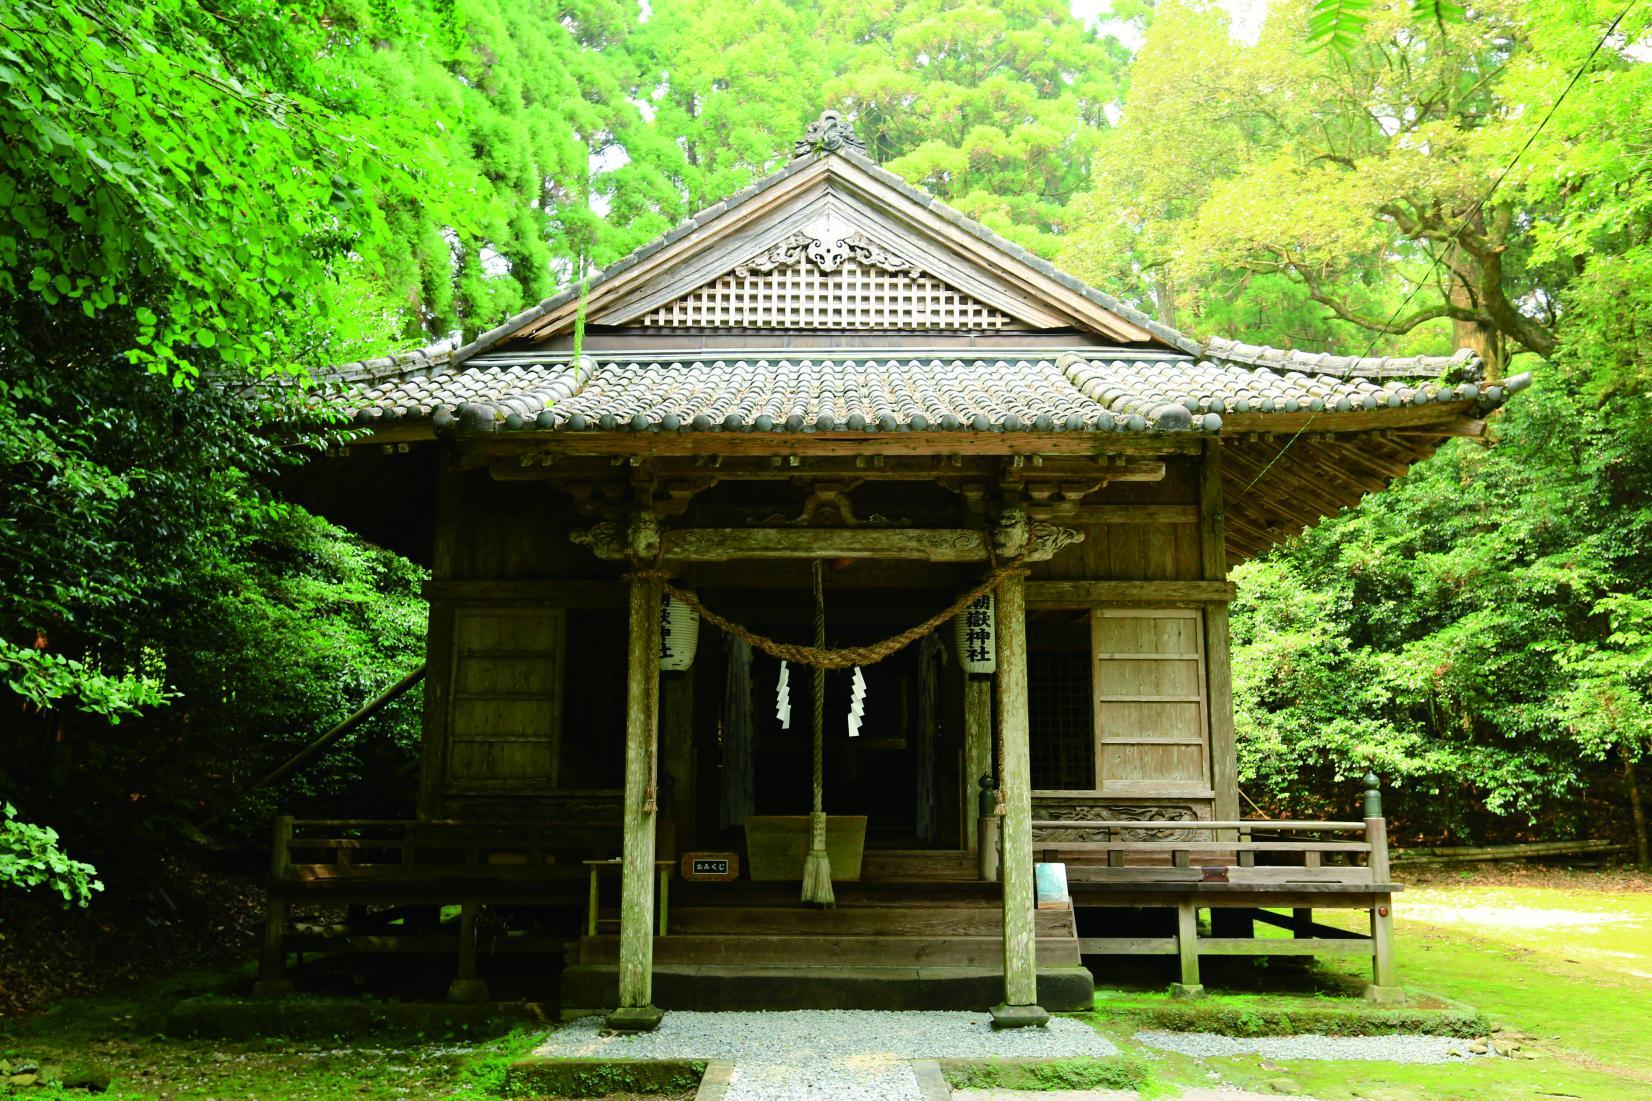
(1275, 484)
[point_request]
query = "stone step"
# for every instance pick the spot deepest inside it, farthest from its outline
(831, 951)
(594, 988)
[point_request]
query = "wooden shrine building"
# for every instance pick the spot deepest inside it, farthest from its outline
(834, 367)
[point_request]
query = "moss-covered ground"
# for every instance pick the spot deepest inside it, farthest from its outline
(123, 1041)
(1563, 965)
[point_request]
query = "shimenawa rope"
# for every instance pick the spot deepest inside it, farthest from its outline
(818, 656)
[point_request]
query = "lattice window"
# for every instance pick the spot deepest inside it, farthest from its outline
(1061, 720)
(852, 295)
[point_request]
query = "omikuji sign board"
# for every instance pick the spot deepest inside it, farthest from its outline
(712, 867)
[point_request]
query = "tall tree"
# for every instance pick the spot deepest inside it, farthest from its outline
(1361, 175)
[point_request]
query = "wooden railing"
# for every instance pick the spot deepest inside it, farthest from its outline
(1241, 871)
(356, 849)
(1233, 846)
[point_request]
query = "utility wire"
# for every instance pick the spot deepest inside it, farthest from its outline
(1473, 212)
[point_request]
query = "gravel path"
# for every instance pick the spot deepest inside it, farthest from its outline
(829, 1055)
(1386, 1049)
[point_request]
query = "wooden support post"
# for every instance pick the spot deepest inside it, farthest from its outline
(665, 895)
(1016, 870)
(1224, 763)
(591, 903)
(977, 750)
(468, 987)
(988, 840)
(1302, 923)
(1385, 985)
(642, 690)
(1187, 950)
(440, 640)
(272, 962)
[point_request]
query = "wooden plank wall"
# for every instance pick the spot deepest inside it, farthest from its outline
(504, 570)
(506, 652)
(1161, 676)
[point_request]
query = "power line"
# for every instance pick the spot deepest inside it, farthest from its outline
(1473, 212)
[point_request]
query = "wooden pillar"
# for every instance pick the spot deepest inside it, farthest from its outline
(1385, 985)
(439, 641)
(1016, 872)
(642, 700)
(1224, 764)
(272, 963)
(1187, 950)
(468, 987)
(977, 751)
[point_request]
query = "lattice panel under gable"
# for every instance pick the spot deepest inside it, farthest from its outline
(850, 296)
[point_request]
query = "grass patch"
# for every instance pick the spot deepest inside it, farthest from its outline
(602, 1077)
(1077, 1073)
(1285, 1015)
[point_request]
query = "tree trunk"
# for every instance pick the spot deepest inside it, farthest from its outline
(1637, 811)
(1479, 336)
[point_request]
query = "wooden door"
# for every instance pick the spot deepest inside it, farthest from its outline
(505, 723)
(1151, 712)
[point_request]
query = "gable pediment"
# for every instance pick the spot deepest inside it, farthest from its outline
(826, 272)
(833, 242)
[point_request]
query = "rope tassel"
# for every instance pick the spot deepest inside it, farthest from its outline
(817, 866)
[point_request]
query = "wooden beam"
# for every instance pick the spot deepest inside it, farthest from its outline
(1020, 932)
(566, 594)
(1083, 594)
(851, 444)
(1132, 514)
(1362, 420)
(923, 544)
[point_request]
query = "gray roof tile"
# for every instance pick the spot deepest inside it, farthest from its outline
(1088, 390)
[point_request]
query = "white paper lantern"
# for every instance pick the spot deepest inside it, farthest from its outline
(975, 633)
(679, 634)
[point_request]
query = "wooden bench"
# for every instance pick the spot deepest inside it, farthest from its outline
(410, 869)
(1239, 870)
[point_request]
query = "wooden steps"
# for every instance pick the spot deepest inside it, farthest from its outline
(919, 866)
(884, 946)
(590, 989)
(863, 920)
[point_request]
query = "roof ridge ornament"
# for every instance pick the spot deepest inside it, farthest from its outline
(829, 133)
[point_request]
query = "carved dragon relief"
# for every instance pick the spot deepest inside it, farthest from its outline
(1131, 812)
(828, 256)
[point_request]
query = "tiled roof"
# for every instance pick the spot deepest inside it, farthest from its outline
(1079, 391)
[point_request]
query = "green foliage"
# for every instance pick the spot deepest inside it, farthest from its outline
(1473, 635)
(31, 857)
(1075, 1073)
(1340, 24)
(994, 108)
(1286, 1015)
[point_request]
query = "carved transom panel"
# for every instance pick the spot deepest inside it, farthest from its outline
(1131, 812)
